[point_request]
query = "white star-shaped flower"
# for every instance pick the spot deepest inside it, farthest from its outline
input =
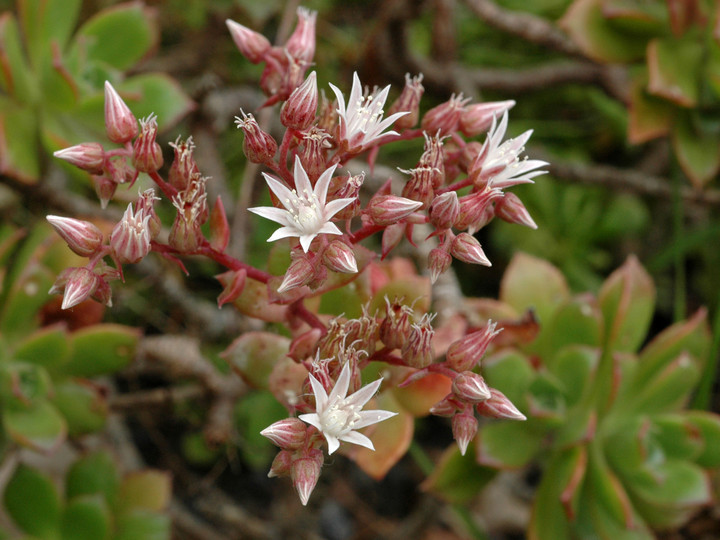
(500, 162)
(361, 122)
(306, 213)
(339, 415)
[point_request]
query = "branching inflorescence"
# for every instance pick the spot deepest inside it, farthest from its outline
(316, 201)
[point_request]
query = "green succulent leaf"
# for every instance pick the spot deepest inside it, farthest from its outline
(674, 67)
(148, 490)
(678, 437)
(39, 426)
(457, 478)
(253, 413)
(47, 23)
(83, 406)
(708, 426)
(101, 349)
(119, 36)
(670, 389)
(93, 474)
(18, 141)
(15, 75)
(159, 94)
(649, 116)
(604, 487)
(636, 16)
(575, 367)
(509, 445)
(696, 148)
(627, 301)
(577, 322)
(510, 372)
(32, 502)
(86, 518)
(254, 354)
(142, 524)
(48, 347)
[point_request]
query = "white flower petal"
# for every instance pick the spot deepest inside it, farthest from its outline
(367, 418)
(358, 438)
(333, 443)
(277, 215)
(311, 418)
(283, 232)
(321, 397)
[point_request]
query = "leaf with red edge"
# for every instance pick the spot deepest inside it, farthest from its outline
(18, 142)
(253, 356)
(636, 16)
(254, 301)
(596, 36)
(14, 71)
(509, 445)
(649, 116)
(697, 149)
(674, 67)
(707, 425)
(418, 397)
(391, 438)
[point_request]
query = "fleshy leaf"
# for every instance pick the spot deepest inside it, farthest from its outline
(101, 349)
(708, 426)
(253, 413)
(254, 302)
(418, 397)
(670, 389)
(14, 71)
(46, 22)
(39, 426)
(141, 524)
(391, 439)
(696, 148)
(93, 474)
(48, 347)
(649, 116)
(596, 36)
(577, 322)
(457, 478)
(159, 94)
(83, 406)
(674, 66)
(18, 142)
(510, 372)
(148, 490)
(32, 502)
(678, 437)
(508, 445)
(575, 366)
(86, 518)
(627, 301)
(121, 35)
(254, 354)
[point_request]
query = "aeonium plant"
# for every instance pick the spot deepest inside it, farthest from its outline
(315, 192)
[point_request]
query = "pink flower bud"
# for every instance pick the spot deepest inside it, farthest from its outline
(282, 464)
(473, 206)
(347, 188)
(439, 260)
(385, 210)
(298, 112)
(304, 345)
(433, 156)
(234, 283)
(408, 101)
(120, 123)
(447, 406)
(391, 237)
(147, 154)
(82, 237)
(464, 428)
(395, 327)
(259, 147)
(420, 186)
(445, 118)
(77, 285)
(183, 167)
(499, 406)
(288, 434)
(89, 156)
(313, 152)
(130, 239)
(301, 44)
(306, 472)
(464, 354)
(477, 118)
(251, 44)
(146, 205)
(105, 189)
(467, 249)
(417, 350)
(339, 257)
(511, 209)
(185, 233)
(444, 210)
(300, 273)
(470, 387)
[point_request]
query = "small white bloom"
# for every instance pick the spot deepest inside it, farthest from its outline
(361, 122)
(339, 415)
(306, 212)
(500, 163)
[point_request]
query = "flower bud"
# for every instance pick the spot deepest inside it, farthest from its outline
(301, 44)
(385, 210)
(391, 237)
(89, 156)
(147, 154)
(420, 186)
(300, 273)
(464, 354)
(304, 345)
(82, 237)
(130, 238)
(478, 117)
(395, 327)
(464, 428)
(259, 147)
(499, 406)
(408, 101)
(120, 123)
(417, 350)
(312, 155)
(183, 167)
(282, 464)
(339, 257)
(511, 209)
(288, 434)
(466, 248)
(470, 387)
(445, 117)
(146, 205)
(305, 472)
(347, 188)
(433, 156)
(439, 260)
(447, 406)
(251, 44)
(473, 206)
(105, 189)
(444, 210)
(77, 285)
(298, 112)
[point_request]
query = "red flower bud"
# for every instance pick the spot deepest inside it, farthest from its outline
(259, 147)
(467, 249)
(89, 156)
(470, 387)
(464, 428)
(298, 112)
(408, 101)
(444, 210)
(477, 118)
(464, 354)
(120, 123)
(288, 434)
(499, 406)
(305, 473)
(511, 209)
(251, 44)
(300, 273)
(147, 154)
(445, 117)
(439, 260)
(301, 44)
(82, 237)
(385, 210)
(339, 257)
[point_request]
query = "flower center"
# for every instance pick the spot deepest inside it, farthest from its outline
(305, 212)
(366, 113)
(339, 419)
